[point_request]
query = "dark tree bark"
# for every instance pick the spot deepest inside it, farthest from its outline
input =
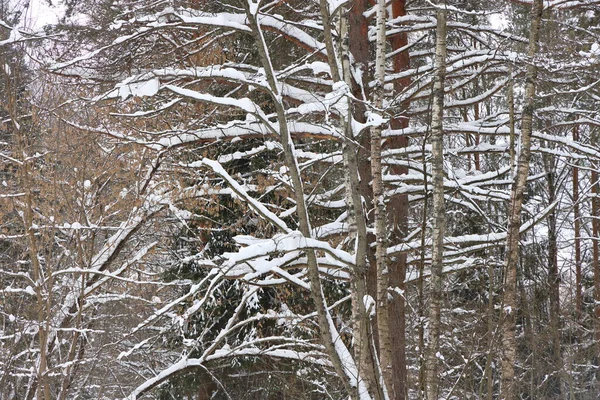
(577, 227)
(554, 381)
(397, 211)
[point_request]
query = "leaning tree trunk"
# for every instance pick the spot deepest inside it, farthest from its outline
(509, 345)
(339, 355)
(439, 217)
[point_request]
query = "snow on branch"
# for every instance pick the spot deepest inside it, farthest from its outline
(242, 262)
(474, 242)
(240, 191)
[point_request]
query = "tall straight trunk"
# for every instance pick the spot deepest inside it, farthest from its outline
(363, 345)
(359, 48)
(439, 217)
(397, 211)
(509, 345)
(489, 376)
(421, 282)
(554, 381)
(379, 207)
(476, 156)
(511, 117)
(342, 362)
(577, 227)
(476, 115)
(596, 254)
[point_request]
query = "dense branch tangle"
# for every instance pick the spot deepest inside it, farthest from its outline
(259, 108)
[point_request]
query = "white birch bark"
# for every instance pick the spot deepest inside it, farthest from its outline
(364, 346)
(383, 275)
(439, 217)
(507, 390)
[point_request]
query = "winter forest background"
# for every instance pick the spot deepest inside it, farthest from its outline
(300, 199)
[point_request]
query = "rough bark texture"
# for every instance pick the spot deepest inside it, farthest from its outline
(596, 256)
(576, 218)
(397, 211)
(356, 45)
(511, 115)
(331, 54)
(439, 217)
(381, 237)
(330, 341)
(509, 346)
(359, 49)
(554, 381)
(364, 349)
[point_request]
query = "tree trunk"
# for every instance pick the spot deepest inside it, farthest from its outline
(596, 255)
(439, 217)
(336, 350)
(509, 346)
(363, 344)
(359, 49)
(511, 118)
(397, 211)
(381, 237)
(577, 227)
(554, 381)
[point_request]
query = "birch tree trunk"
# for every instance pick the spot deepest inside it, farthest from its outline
(596, 252)
(507, 390)
(511, 117)
(364, 349)
(439, 217)
(381, 238)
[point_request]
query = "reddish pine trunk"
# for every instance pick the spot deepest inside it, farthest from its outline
(397, 217)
